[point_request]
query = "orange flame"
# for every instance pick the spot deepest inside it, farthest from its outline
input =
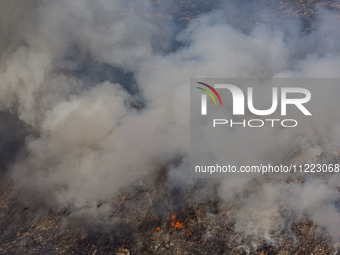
(173, 217)
(158, 228)
(178, 225)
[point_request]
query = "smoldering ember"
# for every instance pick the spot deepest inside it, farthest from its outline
(94, 131)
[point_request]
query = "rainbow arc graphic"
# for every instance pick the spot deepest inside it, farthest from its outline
(204, 98)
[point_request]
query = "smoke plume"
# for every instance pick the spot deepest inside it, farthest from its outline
(102, 90)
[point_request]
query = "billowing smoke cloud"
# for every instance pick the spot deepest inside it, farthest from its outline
(93, 136)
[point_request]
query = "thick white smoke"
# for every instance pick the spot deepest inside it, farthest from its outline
(89, 141)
